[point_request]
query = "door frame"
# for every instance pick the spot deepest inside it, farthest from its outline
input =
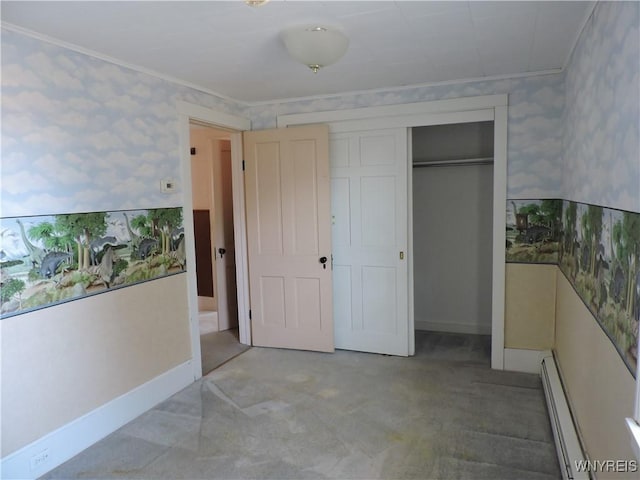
(235, 125)
(441, 112)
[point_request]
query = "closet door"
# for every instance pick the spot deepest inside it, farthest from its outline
(369, 238)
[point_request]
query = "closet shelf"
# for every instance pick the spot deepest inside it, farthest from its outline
(455, 163)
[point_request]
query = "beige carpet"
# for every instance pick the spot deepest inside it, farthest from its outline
(277, 414)
(218, 348)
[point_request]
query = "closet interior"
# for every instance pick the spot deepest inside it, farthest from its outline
(452, 178)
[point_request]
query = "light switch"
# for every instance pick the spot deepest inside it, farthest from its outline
(167, 186)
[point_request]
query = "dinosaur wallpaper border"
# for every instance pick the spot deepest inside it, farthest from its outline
(51, 259)
(600, 256)
(533, 230)
(598, 251)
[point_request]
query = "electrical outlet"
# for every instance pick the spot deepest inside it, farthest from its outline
(39, 460)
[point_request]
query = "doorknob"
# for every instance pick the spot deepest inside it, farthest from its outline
(222, 251)
(323, 261)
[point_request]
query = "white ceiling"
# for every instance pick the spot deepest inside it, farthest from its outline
(235, 50)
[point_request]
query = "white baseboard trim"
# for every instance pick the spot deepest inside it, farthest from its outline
(58, 446)
(452, 327)
(520, 360)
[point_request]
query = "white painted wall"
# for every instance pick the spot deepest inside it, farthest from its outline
(453, 228)
(62, 362)
(452, 238)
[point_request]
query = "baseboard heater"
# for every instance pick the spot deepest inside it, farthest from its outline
(570, 452)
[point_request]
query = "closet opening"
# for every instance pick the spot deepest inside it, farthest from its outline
(452, 179)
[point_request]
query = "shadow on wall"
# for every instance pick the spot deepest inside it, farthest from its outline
(597, 249)
(47, 260)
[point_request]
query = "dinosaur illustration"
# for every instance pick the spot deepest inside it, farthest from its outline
(177, 234)
(147, 247)
(135, 238)
(51, 262)
(105, 269)
(97, 246)
(179, 254)
(36, 254)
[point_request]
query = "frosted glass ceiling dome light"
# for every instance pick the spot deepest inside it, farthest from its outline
(315, 46)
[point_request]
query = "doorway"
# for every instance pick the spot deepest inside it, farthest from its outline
(452, 195)
(213, 226)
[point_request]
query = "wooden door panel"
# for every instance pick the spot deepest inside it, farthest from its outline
(377, 150)
(308, 303)
(341, 219)
(378, 211)
(305, 194)
(369, 211)
(342, 301)
(268, 199)
(339, 152)
(379, 289)
(272, 293)
(288, 231)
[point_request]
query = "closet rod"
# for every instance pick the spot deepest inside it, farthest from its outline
(455, 163)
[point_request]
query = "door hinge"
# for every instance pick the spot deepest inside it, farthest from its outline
(193, 150)
(249, 314)
(243, 165)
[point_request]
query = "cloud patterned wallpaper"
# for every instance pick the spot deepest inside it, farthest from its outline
(602, 120)
(80, 134)
(106, 135)
(536, 107)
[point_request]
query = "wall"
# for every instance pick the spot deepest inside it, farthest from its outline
(533, 239)
(530, 301)
(202, 194)
(202, 169)
(83, 135)
(601, 169)
(599, 387)
(64, 361)
(603, 111)
(535, 123)
(452, 142)
(452, 231)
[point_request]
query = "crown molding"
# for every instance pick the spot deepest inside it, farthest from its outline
(115, 61)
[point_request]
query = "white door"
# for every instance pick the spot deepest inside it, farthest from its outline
(289, 237)
(369, 238)
(224, 250)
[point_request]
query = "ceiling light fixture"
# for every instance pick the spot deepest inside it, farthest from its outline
(255, 3)
(315, 46)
